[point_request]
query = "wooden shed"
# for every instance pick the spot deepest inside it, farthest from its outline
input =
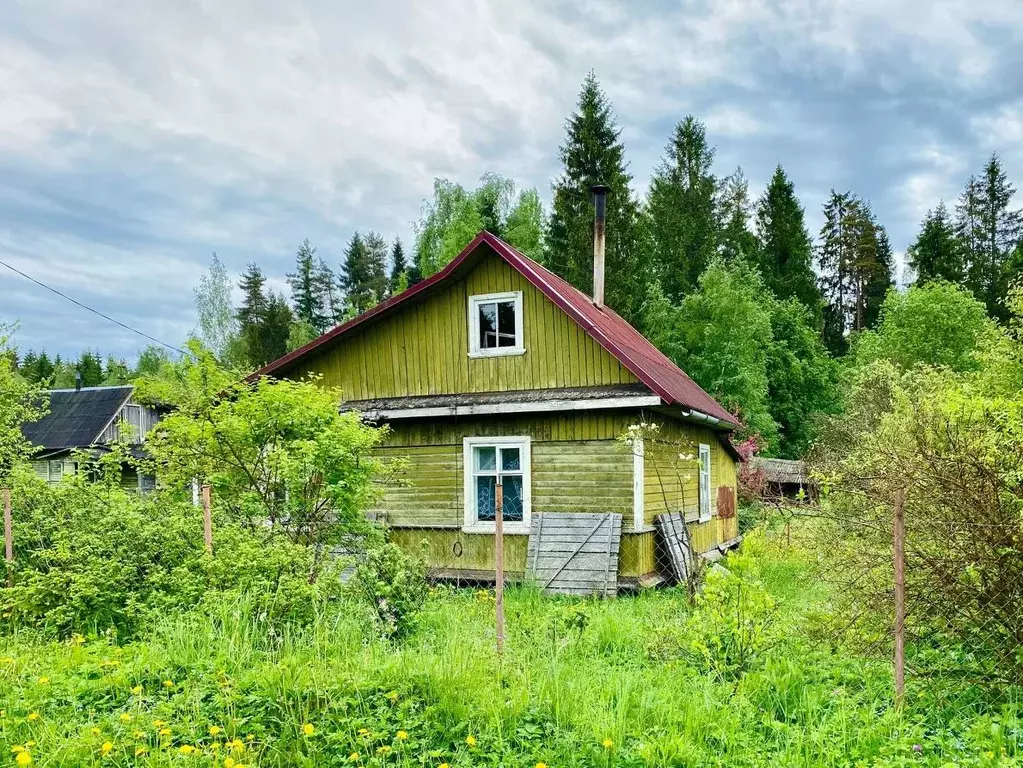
(497, 368)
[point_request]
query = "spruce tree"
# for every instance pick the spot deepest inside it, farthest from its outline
(683, 224)
(399, 268)
(1000, 229)
(592, 154)
(43, 368)
(877, 279)
(28, 366)
(785, 255)
(936, 255)
(273, 332)
(306, 289)
(376, 253)
(356, 278)
(252, 314)
(90, 369)
(736, 241)
(330, 299)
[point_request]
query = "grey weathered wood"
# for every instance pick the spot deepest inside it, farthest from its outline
(675, 536)
(575, 553)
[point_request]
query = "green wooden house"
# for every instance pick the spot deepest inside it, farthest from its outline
(496, 367)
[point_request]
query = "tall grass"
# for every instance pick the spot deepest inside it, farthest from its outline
(576, 686)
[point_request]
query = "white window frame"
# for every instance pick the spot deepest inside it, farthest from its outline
(472, 524)
(134, 408)
(475, 349)
(706, 507)
(638, 485)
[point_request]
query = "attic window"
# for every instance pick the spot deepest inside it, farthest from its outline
(495, 325)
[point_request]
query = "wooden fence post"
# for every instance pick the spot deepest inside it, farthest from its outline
(8, 537)
(899, 551)
(499, 564)
(207, 520)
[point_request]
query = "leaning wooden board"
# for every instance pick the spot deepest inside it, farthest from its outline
(675, 536)
(575, 553)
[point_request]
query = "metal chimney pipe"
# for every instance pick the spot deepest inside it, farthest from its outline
(78, 381)
(600, 214)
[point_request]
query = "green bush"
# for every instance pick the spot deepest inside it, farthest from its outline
(91, 557)
(395, 585)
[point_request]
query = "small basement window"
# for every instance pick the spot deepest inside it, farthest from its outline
(495, 325)
(487, 461)
(705, 508)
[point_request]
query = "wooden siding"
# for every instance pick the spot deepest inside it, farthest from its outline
(113, 432)
(577, 466)
(424, 349)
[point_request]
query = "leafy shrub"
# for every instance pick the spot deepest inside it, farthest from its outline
(92, 557)
(732, 625)
(394, 584)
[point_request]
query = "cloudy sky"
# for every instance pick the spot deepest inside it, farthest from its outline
(138, 137)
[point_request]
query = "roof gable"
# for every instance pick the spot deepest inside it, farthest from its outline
(624, 343)
(77, 418)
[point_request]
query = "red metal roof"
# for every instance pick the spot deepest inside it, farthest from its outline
(628, 345)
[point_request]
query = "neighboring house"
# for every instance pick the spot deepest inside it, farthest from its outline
(88, 420)
(496, 367)
(785, 478)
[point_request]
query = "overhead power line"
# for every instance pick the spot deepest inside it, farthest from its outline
(90, 309)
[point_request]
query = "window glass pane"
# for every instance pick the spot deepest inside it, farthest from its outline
(509, 459)
(485, 498)
(506, 323)
(486, 459)
(512, 498)
(488, 325)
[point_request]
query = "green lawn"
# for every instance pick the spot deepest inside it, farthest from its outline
(582, 683)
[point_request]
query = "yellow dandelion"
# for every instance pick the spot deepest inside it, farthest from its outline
(138, 734)
(308, 729)
(229, 762)
(125, 717)
(140, 751)
(33, 716)
(402, 735)
(364, 732)
(23, 758)
(44, 681)
(7, 660)
(165, 732)
(215, 730)
(353, 757)
(95, 731)
(391, 696)
(541, 765)
(237, 745)
(159, 723)
(443, 765)
(383, 750)
(168, 683)
(607, 743)
(137, 690)
(17, 748)
(106, 747)
(186, 749)
(470, 740)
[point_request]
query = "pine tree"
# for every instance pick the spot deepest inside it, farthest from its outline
(252, 315)
(852, 267)
(736, 241)
(399, 268)
(936, 254)
(90, 369)
(355, 278)
(683, 223)
(376, 254)
(594, 154)
(999, 233)
(785, 254)
(330, 299)
(306, 289)
(273, 332)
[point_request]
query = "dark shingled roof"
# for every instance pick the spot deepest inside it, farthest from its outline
(76, 417)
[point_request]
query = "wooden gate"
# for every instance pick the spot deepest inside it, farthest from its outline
(575, 553)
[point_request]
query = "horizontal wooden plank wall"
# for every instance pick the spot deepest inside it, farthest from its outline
(423, 348)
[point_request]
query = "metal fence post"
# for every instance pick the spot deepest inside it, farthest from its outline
(899, 551)
(207, 520)
(8, 537)
(499, 564)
